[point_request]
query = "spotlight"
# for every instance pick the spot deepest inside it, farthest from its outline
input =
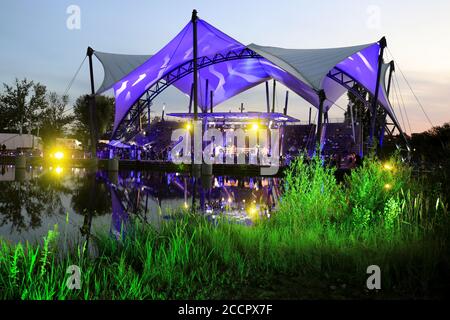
(253, 213)
(58, 155)
(387, 186)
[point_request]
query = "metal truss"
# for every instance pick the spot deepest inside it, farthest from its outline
(349, 83)
(127, 127)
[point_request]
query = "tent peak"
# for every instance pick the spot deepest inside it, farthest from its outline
(383, 42)
(194, 15)
(90, 51)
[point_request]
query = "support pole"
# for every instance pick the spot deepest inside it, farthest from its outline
(92, 106)
(286, 103)
(383, 45)
(190, 98)
(310, 110)
(267, 97)
(211, 100)
(195, 56)
(206, 95)
(352, 121)
(273, 95)
(322, 98)
(195, 99)
(149, 114)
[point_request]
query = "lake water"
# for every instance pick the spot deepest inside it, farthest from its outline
(80, 202)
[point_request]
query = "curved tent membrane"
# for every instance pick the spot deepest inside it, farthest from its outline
(116, 66)
(232, 68)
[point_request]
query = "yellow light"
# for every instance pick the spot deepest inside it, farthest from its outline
(253, 213)
(59, 155)
(255, 126)
(388, 186)
(58, 170)
(229, 200)
(388, 167)
(186, 205)
(188, 126)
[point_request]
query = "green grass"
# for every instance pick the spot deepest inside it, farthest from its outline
(317, 245)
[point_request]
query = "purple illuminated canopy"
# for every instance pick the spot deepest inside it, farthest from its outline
(304, 71)
(238, 116)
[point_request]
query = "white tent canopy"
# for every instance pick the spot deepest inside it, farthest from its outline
(116, 66)
(309, 65)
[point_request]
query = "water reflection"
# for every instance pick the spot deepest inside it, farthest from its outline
(30, 196)
(81, 201)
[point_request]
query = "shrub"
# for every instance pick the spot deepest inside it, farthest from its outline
(370, 187)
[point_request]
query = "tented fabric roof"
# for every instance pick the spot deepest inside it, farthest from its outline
(309, 65)
(383, 95)
(304, 71)
(116, 66)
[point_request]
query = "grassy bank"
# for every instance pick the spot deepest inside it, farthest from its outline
(317, 245)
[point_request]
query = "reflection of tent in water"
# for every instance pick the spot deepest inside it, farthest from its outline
(119, 215)
(142, 193)
(244, 190)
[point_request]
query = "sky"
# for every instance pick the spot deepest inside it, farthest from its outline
(36, 42)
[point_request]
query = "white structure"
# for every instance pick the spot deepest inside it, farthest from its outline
(15, 141)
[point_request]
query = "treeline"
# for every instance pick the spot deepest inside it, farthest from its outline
(29, 107)
(432, 146)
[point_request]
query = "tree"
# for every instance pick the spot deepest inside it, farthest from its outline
(432, 146)
(360, 112)
(104, 117)
(52, 120)
(21, 104)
